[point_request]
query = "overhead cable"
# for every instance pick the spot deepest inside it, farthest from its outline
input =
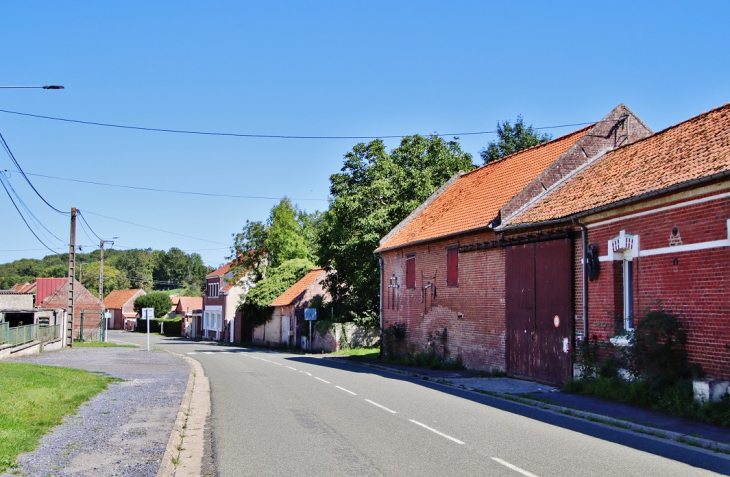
(2, 180)
(264, 136)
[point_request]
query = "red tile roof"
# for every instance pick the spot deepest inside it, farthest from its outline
(475, 198)
(190, 303)
(221, 271)
(691, 150)
(118, 298)
(298, 288)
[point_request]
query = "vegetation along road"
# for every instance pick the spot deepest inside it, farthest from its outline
(283, 414)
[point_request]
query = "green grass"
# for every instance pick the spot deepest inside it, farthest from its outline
(99, 344)
(366, 353)
(34, 399)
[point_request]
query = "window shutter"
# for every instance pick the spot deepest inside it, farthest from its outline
(452, 267)
(411, 271)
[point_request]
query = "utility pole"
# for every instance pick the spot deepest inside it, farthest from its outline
(101, 277)
(71, 276)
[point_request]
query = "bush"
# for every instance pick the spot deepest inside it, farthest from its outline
(160, 301)
(172, 327)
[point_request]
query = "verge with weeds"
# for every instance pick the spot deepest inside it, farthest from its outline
(36, 398)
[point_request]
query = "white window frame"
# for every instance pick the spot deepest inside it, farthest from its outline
(625, 247)
(213, 289)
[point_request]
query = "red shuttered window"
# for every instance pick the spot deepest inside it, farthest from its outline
(452, 267)
(411, 271)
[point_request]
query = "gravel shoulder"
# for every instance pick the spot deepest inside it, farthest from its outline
(122, 431)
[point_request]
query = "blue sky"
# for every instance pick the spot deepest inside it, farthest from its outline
(308, 69)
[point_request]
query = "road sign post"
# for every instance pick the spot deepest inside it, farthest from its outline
(310, 315)
(147, 315)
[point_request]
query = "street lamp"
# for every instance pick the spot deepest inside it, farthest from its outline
(52, 86)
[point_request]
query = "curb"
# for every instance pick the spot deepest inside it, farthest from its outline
(575, 413)
(185, 448)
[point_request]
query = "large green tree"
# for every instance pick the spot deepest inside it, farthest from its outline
(372, 193)
(512, 138)
(113, 279)
(160, 301)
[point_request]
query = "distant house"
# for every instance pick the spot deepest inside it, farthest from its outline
(24, 287)
(84, 301)
(120, 304)
(287, 327)
(46, 286)
(220, 300)
(445, 278)
(174, 299)
(190, 309)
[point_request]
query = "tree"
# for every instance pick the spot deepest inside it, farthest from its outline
(284, 235)
(113, 279)
(512, 139)
(249, 249)
(137, 265)
(374, 191)
(255, 305)
(160, 301)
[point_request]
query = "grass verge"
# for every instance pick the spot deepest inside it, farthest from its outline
(99, 344)
(365, 353)
(34, 399)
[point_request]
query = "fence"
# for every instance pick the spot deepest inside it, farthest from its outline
(25, 334)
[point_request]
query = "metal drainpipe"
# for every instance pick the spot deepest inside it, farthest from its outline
(584, 234)
(380, 293)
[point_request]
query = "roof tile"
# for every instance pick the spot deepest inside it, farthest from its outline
(295, 290)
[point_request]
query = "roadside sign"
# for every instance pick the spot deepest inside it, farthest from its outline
(310, 314)
(148, 313)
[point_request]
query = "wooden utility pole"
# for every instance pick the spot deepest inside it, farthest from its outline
(71, 276)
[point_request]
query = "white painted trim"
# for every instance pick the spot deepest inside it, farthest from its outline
(692, 247)
(660, 209)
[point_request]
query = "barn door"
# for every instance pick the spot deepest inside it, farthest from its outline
(539, 309)
(285, 328)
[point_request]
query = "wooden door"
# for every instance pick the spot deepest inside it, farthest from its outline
(538, 287)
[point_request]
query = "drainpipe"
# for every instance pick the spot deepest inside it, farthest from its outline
(584, 234)
(380, 293)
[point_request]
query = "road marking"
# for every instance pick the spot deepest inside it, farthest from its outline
(437, 432)
(346, 390)
(308, 374)
(208, 352)
(322, 380)
(294, 369)
(513, 467)
(264, 359)
(192, 352)
(381, 406)
(278, 364)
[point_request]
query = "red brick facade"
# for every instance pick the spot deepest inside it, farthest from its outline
(83, 301)
(678, 268)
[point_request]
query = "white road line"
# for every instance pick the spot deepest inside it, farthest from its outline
(513, 467)
(191, 352)
(346, 390)
(264, 359)
(294, 369)
(308, 374)
(278, 364)
(381, 406)
(208, 352)
(437, 432)
(322, 380)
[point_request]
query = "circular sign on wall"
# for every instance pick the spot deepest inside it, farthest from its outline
(556, 321)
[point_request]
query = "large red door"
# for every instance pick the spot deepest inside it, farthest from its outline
(539, 309)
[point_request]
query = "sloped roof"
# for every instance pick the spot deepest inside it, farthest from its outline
(221, 271)
(46, 286)
(191, 303)
(295, 290)
(23, 287)
(59, 298)
(118, 298)
(694, 149)
(475, 198)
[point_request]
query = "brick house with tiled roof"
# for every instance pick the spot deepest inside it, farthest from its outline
(220, 320)
(657, 215)
(120, 304)
(286, 326)
(84, 301)
(436, 284)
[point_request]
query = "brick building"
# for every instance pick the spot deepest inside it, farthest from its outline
(120, 304)
(657, 215)
(287, 326)
(443, 267)
(220, 320)
(83, 301)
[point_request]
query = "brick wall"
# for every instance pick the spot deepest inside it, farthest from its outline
(695, 285)
(472, 312)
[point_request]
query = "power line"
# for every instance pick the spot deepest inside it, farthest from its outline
(266, 136)
(89, 226)
(15, 161)
(2, 180)
(154, 228)
(32, 216)
(168, 191)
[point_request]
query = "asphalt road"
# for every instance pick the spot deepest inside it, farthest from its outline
(285, 414)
